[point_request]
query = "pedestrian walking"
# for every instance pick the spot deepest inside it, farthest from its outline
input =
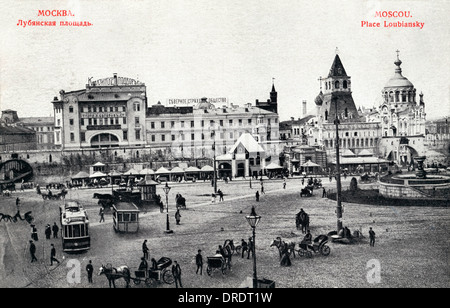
(244, 246)
(213, 198)
(372, 237)
(262, 188)
(199, 262)
(324, 192)
(17, 203)
(251, 247)
(55, 230)
(33, 251)
(220, 195)
(257, 196)
(176, 272)
(177, 216)
(145, 249)
(284, 184)
(34, 235)
(48, 231)
(53, 255)
(90, 271)
(102, 214)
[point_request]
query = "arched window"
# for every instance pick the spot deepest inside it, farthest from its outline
(346, 112)
(326, 115)
(344, 84)
(336, 84)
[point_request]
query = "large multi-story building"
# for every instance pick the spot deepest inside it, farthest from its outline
(112, 113)
(108, 113)
(45, 131)
(192, 131)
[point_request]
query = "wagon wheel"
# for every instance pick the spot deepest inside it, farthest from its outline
(325, 250)
(150, 282)
(136, 281)
(208, 270)
(167, 277)
(301, 252)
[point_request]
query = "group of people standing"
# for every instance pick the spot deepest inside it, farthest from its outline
(35, 237)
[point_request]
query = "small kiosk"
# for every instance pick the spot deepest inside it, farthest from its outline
(147, 188)
(125, 217)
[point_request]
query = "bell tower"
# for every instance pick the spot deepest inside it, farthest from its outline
(336, 89)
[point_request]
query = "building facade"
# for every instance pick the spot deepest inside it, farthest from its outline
(336, 102)
(112, 114)
(402, 118)
(108, 113)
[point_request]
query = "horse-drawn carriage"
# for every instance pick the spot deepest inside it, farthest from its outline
(216, 263)
(151, 276)
(307, 191)
(318, 246)
(49, 195)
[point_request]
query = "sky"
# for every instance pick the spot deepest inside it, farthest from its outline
(232, 49)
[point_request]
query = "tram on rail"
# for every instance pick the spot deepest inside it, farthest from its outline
(74, 227)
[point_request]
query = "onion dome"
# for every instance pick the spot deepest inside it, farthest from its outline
(319, 99)
(398, 80)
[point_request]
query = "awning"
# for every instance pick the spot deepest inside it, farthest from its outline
(81, 175)
(98, 174)
(361, 160)
(114, 173)
(310, 164)
(162, 170)
(98, 164)
(146, 171)
(192, 169)
(273, 166)
(177, 170)
(207, 169)
(131, 172)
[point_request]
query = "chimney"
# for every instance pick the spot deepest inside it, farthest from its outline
(304, 108)
(115, 79)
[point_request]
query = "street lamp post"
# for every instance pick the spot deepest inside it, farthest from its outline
(213, 134)
(253, 219)
(166, 191)
(338, 171)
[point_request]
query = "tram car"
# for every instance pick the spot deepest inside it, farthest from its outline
(74, 227)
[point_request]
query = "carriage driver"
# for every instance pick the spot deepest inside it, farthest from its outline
(144, 265)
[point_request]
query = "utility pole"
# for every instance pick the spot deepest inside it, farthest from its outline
(338, 170)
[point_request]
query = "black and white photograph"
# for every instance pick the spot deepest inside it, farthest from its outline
(224, 145)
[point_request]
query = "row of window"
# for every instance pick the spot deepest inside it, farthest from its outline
(42, 129)
(231, 122)
(367, 142)
(162, 138)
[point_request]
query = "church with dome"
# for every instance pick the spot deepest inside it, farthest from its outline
(335, 102)
(392, 131)
(402, 119)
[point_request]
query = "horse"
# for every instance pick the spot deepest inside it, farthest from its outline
(114, 273)
(229, 245)
(302, 220)
(28, 217)
(105, 200)
(6, 217)
(282, 245)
